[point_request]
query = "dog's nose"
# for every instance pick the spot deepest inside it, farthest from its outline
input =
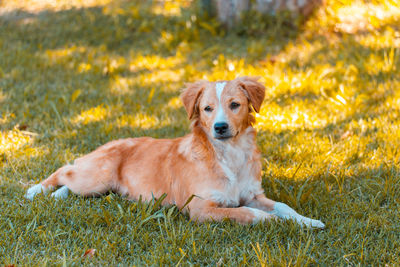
(221, 127)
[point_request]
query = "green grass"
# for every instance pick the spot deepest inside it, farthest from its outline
(74, 76)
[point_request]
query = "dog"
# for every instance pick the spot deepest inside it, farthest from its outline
(217, 166)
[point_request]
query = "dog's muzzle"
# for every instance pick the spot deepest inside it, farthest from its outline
(221, 130)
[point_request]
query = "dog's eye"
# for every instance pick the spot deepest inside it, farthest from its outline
(234, 105)
(208, 109)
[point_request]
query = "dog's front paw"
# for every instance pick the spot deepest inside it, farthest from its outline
(310, 222)
(317, 224)
(61, 193)
(285, 212)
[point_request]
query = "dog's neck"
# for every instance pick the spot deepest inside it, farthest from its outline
(234, 154)
(244, 141)
(232, 149)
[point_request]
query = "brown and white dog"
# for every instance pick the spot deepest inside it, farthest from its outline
(218, 162)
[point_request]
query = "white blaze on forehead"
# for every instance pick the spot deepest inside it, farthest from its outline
(219, 88)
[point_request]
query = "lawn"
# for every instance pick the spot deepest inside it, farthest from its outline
(76, 74)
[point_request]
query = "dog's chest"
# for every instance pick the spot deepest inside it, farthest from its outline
(237, 167)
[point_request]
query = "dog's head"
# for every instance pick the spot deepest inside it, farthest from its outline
(224, 108)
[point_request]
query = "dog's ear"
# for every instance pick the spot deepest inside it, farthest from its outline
(190, 97)
(254, 91)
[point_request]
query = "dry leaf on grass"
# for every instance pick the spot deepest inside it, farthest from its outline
(89, 253)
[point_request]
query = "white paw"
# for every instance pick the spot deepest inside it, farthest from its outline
(285, 212)
(310, 222)
(61, 193)
(317, 224)
(34, 190)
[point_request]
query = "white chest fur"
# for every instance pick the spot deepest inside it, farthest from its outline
(236, 164)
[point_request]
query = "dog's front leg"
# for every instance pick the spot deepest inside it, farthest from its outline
(203, 210)
(282, 211)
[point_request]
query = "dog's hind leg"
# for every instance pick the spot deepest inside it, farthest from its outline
(34, 190)
(61, 193)
(85, 177)
(90, 175)
(49, 184)
(44, 187)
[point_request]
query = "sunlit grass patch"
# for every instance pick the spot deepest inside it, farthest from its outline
(55, 5)
(361, 16)
(92, 115)
(154, 62)
(160, 76)
(12, 141)
(170, 8)
(61, 55)
(142, 121)
(175, 103)
(389, 39)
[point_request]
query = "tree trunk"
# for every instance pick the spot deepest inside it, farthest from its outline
(229, 12)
